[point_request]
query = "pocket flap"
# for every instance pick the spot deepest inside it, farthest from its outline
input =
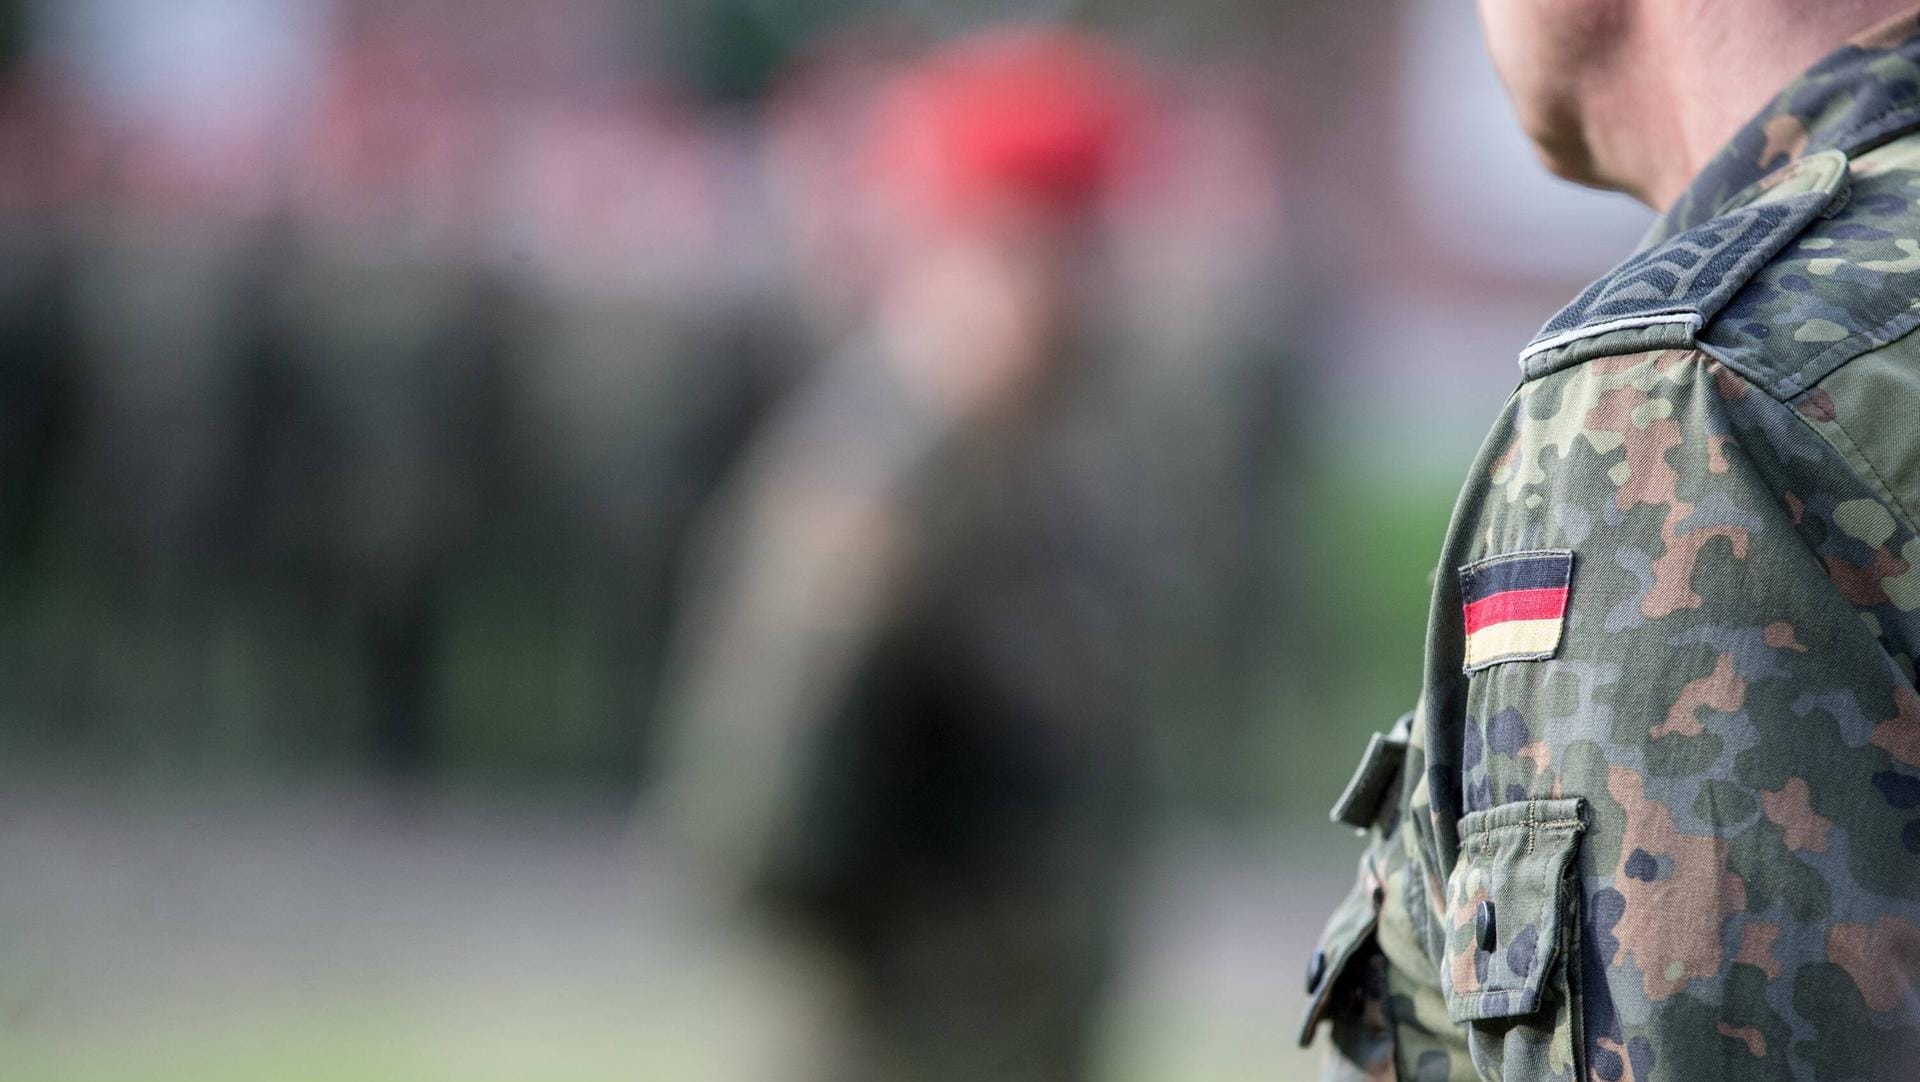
(1372, 781)
(1508, 903)
(1348, 932)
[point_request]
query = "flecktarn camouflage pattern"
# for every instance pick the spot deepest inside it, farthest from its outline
(1663, 823)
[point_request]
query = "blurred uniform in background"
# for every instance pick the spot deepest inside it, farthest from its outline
(389, 369)
(637, 370)
(904, 707)
(36, 312)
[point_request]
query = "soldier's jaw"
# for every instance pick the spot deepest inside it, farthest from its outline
(1550, 56)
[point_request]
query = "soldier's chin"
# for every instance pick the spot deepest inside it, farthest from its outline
(1564, 153)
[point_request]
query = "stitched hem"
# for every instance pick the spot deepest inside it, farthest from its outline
(1489, 561)
(1472, 665)
(1561, 822)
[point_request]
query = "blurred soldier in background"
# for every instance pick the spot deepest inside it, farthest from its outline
(904, 703)
(36, 311)
(390, 364)
(635, 373)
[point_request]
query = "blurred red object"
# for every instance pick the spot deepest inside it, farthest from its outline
(1037, 115)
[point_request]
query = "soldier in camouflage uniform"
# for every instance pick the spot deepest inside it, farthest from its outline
(1657, 813)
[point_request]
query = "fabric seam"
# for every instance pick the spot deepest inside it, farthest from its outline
(1691, 317)
(1859, 460)
(1881, 335)
(1562, 822)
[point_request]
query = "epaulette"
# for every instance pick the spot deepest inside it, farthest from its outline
(1663, 296)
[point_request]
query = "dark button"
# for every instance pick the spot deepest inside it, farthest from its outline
(1379, 895)
(1316, 971)
(1483, 930)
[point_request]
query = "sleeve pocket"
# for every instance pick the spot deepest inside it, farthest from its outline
(1511, 904)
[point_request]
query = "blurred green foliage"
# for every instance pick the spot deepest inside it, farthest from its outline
(1366, 562)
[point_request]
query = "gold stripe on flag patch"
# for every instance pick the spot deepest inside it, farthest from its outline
(1515, 637)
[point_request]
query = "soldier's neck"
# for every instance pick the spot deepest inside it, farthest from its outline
(1694, 72)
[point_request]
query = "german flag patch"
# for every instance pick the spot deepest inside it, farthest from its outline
(1515, 605)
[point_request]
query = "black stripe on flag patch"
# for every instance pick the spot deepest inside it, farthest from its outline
(1515, 571)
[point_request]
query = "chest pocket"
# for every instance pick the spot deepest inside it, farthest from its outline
(1512, 934)
(1347, 973)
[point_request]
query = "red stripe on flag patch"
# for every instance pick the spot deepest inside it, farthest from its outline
(1542, 604)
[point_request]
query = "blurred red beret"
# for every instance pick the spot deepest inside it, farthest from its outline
(1038, 115)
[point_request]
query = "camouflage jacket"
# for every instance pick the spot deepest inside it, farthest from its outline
(1657, 814)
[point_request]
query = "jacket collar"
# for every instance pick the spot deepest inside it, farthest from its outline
(1863, 94)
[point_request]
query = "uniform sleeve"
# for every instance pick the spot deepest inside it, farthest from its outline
(807, 553)
(1682, 840)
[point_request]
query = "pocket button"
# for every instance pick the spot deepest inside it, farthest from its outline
(1483, 927)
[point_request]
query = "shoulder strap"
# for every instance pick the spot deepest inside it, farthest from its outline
(1663, 295)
